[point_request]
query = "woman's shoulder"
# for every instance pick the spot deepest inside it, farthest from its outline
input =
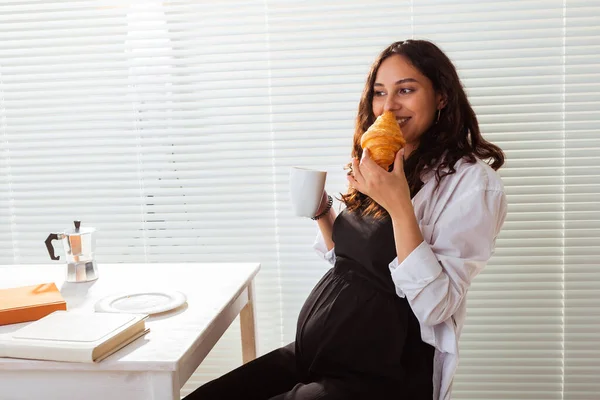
(476, 175)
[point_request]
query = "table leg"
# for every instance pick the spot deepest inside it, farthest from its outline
(164, 385)
(248, 327)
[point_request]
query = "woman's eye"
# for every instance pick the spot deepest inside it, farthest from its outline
(378, 93)
(405, 91)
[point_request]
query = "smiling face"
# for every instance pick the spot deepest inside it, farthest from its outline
(402, 89)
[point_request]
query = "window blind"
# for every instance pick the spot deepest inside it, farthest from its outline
(510, 56)
(132, 118)
(171, 126)
(581, 206)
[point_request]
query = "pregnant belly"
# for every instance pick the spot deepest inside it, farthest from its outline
(348, 327)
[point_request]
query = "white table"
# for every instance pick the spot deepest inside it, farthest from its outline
(154, 367)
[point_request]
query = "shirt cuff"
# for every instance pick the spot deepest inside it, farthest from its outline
(416, 271)
(321, 249)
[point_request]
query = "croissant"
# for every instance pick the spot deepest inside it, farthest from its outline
(383, 139)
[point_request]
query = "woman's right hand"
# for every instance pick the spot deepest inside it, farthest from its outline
(323, 205)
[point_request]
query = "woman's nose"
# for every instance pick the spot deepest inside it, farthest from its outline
(390, 104)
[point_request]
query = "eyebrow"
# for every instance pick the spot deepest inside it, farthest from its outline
(401, 81)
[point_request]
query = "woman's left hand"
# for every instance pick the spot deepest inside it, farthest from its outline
(389, 189)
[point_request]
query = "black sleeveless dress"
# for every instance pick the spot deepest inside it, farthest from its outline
(354, 328)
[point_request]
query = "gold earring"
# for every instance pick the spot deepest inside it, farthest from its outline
(438, 115)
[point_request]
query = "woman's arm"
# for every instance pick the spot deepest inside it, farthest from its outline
(436, 276)
(325, 223)
(407, 234)
(375, 182)
(326, 227)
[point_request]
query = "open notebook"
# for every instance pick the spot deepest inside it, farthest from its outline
(75, 337)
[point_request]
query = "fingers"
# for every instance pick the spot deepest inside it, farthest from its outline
(399, 162)
(354, 183)
(366, 158)
(356, 174)
(368, 166)
(324, 198)
(355, 177)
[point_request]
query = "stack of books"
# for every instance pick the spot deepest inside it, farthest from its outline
(59, 335)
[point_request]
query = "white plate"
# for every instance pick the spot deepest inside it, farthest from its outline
(141, 302)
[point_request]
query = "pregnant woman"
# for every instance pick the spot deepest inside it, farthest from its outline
(385, 320)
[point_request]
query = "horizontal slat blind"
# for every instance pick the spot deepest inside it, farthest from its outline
(581, 194)
(510, 57)
(140, 123)
(315, 92)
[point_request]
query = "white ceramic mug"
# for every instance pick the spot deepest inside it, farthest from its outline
(306, 190)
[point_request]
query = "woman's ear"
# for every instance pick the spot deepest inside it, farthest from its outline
(441, 101)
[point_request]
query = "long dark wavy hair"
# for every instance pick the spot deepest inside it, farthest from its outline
(454, 136)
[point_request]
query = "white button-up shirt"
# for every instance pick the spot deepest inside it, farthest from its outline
(460, 221)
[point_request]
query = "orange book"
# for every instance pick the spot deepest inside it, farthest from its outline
(29, 303)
